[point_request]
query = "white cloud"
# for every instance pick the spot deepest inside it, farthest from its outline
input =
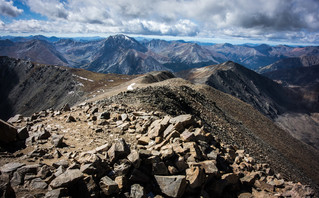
(8, 9)
(256, 19)
(53, 9)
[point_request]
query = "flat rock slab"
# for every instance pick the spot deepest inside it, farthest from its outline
(67, 178)
(11, 167)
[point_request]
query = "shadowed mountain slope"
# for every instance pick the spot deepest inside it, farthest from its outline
(268, 97)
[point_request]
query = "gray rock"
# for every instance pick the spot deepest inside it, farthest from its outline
(134, 158)
(67, 178)
(38, 183)
(8, 133)
(44, 172)
(11, 167)
(195, 176)
(182, 121)
(59, 171)
(209, 167)
(156, 129)
(212, 155)
(105, 115)
(42, 135)
(102, 148)
(249, 179)
(23, 133)
(137, 191)
(173, 186)
(57, 140)
(124, 117)
(108, 186)
(123, 168)
(56, 193)
(16, 118)
(63, 163)
(187, 136)
(88, 169)
(118, 150)
(18, 176)
(70, 119)
(5, 187)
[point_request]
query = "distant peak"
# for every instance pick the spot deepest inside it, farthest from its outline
(227, 45)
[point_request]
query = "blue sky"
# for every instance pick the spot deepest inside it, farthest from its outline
(233, 21)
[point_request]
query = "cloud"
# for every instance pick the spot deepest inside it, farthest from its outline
(255, 19)
(53, 9)
(8, 9)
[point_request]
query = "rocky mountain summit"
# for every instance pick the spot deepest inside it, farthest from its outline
(101, 150)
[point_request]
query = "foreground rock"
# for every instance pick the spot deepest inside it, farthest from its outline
(135, 154)
(8, 133)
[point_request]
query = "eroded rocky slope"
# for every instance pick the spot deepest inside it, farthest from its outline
(28, 87)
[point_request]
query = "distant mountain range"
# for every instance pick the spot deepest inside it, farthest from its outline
(125, 55)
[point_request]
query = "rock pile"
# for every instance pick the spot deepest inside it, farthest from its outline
(142, 154)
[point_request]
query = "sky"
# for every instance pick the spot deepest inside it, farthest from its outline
(217, 21)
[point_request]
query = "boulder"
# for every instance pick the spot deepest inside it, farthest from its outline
(156, 129)
(23, 133)
(67, 178)
(38, 183)
(249, 179)
(57, 140)
(182, 121)
(8, 133)
(16, 118)
(5, 188)
(144, 140)
(11, 167)
(118, 150)
(108, 186)
(187, 136)
(134, 158)
(195, 176)
(43, 134)
(209, 166)
(172, 186)
(18, 176)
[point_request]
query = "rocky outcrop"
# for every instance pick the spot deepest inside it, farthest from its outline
(182, 159)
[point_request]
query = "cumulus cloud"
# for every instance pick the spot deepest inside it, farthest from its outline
(49, 8)
(256, 19)
(8, 9)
